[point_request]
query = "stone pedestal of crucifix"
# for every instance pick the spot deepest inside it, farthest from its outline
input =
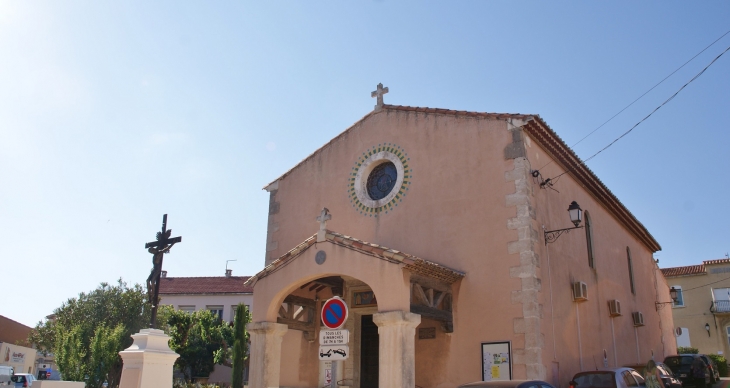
(148, 362)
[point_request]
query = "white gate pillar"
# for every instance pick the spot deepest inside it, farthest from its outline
(397, 332)
(265, 363)
(148, 362)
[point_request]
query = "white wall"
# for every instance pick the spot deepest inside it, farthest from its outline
(202, 301)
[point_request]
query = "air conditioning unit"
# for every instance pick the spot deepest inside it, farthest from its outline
(614, 308)
(638, 318)
(580, 291)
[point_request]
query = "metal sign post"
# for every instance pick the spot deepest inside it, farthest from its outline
(334, 342)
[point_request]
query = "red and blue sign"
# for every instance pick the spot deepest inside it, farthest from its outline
(334, 313)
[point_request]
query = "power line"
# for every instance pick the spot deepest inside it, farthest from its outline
(645, 93)
(652, 112)
(705, 285)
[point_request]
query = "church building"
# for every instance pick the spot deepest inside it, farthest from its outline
(459, 258)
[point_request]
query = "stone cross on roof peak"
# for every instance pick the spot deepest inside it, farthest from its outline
(323, 217)
(379, 94)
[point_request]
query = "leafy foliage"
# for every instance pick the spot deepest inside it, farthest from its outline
(721, 362)
(86, 333)
(240, 344)
(687, 350)
(200, 338)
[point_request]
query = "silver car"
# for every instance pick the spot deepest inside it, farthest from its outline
(608, 378)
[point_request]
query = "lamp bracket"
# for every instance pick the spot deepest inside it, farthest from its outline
(552, 235)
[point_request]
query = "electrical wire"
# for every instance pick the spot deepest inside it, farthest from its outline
(705, 285)
(649, 115)
(645, 93)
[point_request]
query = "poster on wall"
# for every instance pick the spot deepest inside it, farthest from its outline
(496, 361)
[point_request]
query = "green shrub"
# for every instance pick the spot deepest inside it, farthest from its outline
(687, 350)
(721, 364)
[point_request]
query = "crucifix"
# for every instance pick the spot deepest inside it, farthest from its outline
(379, 94)
(323, 217)
(158, 248)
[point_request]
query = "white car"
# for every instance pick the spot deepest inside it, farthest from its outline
(22, 380)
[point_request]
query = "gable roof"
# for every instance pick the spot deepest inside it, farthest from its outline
(412, 263)
(544, 136)
(699, 269)
(684, 271)
(14, 332)
(204, 285)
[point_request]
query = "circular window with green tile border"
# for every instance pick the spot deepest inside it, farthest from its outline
(380, 179)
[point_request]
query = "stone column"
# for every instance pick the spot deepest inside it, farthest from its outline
(265, 363)
(148, 362)
(397, 332)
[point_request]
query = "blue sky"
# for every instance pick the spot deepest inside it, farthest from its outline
(112, 114)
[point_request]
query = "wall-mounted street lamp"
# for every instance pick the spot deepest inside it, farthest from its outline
(673, 293)
(707, 327)
(576, 216)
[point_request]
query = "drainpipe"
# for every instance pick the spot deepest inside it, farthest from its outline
(580, 345)
(613, 338)
(552, 310)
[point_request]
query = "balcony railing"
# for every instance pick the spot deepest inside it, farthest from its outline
(721, 306)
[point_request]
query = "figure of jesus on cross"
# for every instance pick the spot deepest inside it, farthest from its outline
(158, 248)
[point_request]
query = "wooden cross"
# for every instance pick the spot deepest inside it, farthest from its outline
(158, 248)
(379, 94)
(323, 217)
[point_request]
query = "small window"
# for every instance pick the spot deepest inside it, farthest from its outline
(631, 270)
(680, 297)
(722, 299)
(187, 308)
(727, 330)
(589, 240)
(216, 310)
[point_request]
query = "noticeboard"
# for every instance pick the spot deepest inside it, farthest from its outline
(496, 361)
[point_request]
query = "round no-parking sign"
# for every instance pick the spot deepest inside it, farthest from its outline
(334, 313)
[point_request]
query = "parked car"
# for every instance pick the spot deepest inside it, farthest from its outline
(687, 367)
(23, 380)
(6, 372)
(666, 374)
(608, 378)
(509, 384)
(714, 372)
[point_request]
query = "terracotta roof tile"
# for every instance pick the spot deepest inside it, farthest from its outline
(14, 332)
(684, 271)
(205, 285)
(718, 261)
(412, 263)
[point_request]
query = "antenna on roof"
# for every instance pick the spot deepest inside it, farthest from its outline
(228, 271)
(727, 255)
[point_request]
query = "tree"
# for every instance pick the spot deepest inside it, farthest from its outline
(240, 344)
(200, 338)
(86, 333)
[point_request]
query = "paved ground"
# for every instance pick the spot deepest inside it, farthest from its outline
(723, 383)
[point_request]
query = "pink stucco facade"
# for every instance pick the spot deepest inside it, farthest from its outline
(471, 205)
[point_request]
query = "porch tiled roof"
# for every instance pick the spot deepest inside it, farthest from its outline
(205, 285)
(412, 263)
(684, 271)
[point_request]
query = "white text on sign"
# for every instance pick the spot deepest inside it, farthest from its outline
(334, 337)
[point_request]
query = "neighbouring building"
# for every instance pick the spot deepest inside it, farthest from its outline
(436, 240)
(218, 294)
(15, 349)
(702, 310)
